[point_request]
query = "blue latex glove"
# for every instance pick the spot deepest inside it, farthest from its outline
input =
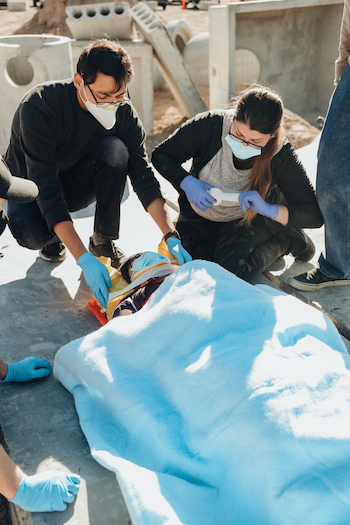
(196, 192)
(252, 200)
(47, 491)
(96, 276)
(178, 251)
(27, 369)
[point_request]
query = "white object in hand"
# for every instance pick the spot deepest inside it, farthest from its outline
(220, 196)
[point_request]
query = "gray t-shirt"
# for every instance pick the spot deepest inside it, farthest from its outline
(221, 173)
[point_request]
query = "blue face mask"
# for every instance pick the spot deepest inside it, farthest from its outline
(240, 150)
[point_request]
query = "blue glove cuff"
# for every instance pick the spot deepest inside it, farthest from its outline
(185, 181)
(274, 210)
(84, 258)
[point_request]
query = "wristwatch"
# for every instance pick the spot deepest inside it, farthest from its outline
(173, 233)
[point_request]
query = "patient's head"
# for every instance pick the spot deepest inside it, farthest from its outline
(137, 264)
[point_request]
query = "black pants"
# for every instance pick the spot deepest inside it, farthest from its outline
(244, 250)
(100, 177)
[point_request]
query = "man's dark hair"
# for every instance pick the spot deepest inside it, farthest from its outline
(107, 57)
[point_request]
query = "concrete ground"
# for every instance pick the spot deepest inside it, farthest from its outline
(43, 306)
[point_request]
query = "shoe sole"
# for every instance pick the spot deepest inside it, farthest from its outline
(115, 263)
(59, 258)
(310, 287)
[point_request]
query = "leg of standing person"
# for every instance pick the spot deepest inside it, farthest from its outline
(100, 176)
(247, 251)
(333, 194)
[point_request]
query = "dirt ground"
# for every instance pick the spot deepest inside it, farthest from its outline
(167, 114)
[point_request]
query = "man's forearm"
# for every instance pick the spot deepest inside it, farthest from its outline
(159, 212)
(10, 475)
(65, 231)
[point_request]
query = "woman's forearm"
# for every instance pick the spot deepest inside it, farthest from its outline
(283, 215)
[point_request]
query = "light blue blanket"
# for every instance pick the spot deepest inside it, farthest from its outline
(219, 403)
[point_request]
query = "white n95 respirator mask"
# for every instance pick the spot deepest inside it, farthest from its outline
(106, 115)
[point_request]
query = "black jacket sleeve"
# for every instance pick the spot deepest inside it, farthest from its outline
(290, 177)
(198, 138)
(36, 125)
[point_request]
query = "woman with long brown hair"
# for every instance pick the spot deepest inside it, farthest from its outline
(241, 151)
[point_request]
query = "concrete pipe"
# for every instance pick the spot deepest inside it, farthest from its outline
(196, 60)
(25, 61)
(180, 33)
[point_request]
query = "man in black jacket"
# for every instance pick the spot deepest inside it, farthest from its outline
(78, 140)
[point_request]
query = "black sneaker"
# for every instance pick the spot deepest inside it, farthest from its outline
(315, 280)
(107, 249)
(54, 252)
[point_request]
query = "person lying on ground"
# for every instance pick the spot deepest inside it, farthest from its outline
(137, 278)
(44, 492)
(133, 269)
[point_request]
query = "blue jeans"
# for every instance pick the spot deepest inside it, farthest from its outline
(100, 177)
(333, 182)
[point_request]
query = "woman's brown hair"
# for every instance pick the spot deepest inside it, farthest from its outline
(261, 108)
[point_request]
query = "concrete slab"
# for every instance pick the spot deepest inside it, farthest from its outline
(96, 20)
(294, 41)
(18, 5)
(44, 307)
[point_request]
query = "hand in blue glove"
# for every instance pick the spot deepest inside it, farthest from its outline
(178, 251)
(196, 192)
(27, 369)
(252, 200)
(96, 276)
(47, 491)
